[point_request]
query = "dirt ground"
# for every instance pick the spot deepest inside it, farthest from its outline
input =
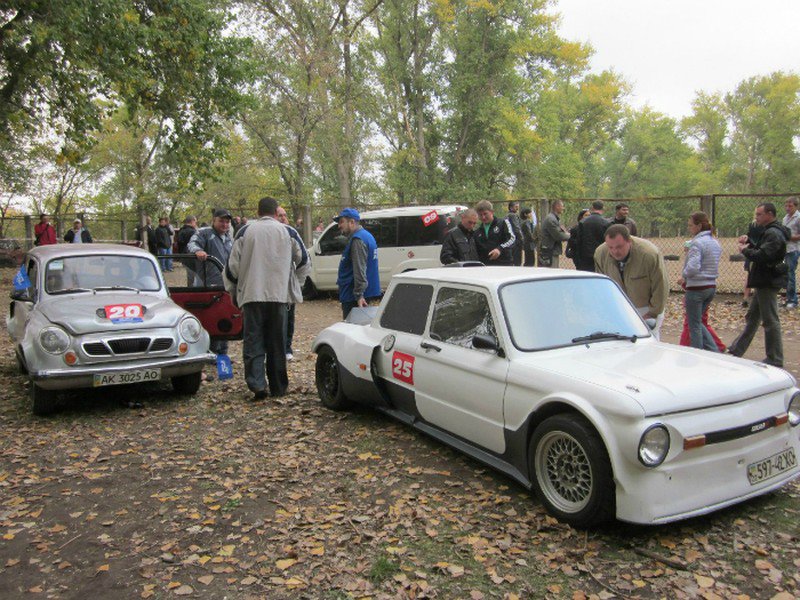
(216, 496)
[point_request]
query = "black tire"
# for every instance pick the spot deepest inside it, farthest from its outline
(21, 364)
(570, 471)
(309, 289)
(329, 381)
(45, 402)
(187, 384)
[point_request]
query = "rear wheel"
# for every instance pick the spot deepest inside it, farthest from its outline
(329, 382)
(45, 402)
(187, 384)
(571, 471)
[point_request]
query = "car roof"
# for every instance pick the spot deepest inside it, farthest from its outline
(411, 211)
(64, 250)
(490, 277)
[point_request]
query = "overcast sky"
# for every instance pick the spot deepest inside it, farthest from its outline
(669, 49)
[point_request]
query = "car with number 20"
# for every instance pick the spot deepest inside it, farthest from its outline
(551, 377)
(99, 315)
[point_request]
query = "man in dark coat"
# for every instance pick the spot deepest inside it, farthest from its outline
(590, 235)
(515, 222)
(766, 275)
(459, 243)
(493, 237)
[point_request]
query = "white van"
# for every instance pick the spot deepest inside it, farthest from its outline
(408, 238)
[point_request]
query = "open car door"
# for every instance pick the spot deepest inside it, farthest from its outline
(211, 304)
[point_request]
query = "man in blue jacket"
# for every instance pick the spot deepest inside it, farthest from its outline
(358, 279)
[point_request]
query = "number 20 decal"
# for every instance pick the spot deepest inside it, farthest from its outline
(403, 367)
(123, 311)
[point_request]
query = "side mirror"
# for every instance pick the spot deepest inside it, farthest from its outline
(24, 295)
(651, 323)
(482, 341)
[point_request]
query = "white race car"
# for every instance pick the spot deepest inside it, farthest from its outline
(552, 378)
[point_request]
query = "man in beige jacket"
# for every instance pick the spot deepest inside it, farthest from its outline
(638, 267)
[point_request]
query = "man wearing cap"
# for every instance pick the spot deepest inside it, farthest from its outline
(78, 234)
(213, 241)
(358, 278)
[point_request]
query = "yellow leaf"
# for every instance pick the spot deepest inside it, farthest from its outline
(318, 551)
(248, 580)
(184, 590)
(396, 550)
(204, 559)
(704, 582)
(227, 550)
(206, 579)
(173, 584)
(294, 582)
(8, 536)
(763, 565)
(285, 563)
(102, 568)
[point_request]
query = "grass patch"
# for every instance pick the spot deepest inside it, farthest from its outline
(382, 569)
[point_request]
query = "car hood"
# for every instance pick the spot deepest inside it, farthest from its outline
(77, 313)
(665, 378)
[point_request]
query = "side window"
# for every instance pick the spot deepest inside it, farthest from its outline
(383, 230)
(33, 274)
(332, 241)
(414, 232)
(460, 314)
(407, 309)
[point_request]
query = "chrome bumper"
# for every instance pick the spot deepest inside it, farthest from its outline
(83, 376)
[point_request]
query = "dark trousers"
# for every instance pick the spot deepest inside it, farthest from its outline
(347, 307)
(530, 258)
(264, 344)
(763, 310)
(583, 263)
(289, 328)
(516, 255)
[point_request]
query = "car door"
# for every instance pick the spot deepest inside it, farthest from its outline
(22, 303)
(460, 388)
(212, 305)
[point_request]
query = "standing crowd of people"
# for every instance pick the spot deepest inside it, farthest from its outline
(612, 247)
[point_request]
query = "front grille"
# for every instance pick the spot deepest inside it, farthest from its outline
(129, 345)
(161, 344)
(96, 349)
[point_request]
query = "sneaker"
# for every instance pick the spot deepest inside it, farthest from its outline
(289, 356)
(791, 305)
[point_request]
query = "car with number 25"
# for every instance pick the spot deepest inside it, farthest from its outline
(551, 377)
(97, 315)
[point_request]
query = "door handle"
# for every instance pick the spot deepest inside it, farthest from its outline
(428, 346)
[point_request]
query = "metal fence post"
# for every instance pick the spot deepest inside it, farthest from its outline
(707, 205)
(307, 225)
(28, 233)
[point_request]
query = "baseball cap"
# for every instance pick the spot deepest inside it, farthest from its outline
(223, 213)
(78, 221)
(348, 213)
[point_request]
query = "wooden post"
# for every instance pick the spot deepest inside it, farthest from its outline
(707, 206)
(308, 226)
(123, 231)
(28, 232)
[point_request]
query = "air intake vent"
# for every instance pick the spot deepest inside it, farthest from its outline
(129, 345)
(161, 344)
(96, 349)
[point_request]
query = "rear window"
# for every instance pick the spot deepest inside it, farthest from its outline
(414, 231)
(407, 308)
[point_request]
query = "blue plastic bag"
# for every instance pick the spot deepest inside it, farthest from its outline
(224, 366)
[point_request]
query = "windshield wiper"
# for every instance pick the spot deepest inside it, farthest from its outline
(116, 287)
(604, 335)
(69, 291)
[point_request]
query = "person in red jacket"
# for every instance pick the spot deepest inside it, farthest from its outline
(43, 232)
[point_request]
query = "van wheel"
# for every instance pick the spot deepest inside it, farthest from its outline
(309, 289)
(45, 402)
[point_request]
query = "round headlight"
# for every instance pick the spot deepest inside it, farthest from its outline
(794, 410)
(191, 329)
(654, 446)
(54, 340)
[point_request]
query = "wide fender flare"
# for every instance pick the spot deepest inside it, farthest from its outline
(353, 348)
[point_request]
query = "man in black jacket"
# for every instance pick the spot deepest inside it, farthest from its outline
(459, 243)
(515, 222)
(163, 235)
(185, 234)
(493, 237)
(767, 275)
(590, 235)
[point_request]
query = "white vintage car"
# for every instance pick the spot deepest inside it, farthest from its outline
(101, 315)
(552, 378)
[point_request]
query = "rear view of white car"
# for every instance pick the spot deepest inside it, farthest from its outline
(552, 378)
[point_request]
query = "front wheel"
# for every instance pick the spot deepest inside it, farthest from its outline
(187, 384)
(45, 402)
(571, 471)
(329, 381)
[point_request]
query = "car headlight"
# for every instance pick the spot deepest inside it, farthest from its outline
(794, 410)
(54, 340)
(191, 329)
(654, 446)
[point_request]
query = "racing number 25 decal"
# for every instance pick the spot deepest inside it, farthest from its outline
(403, 367)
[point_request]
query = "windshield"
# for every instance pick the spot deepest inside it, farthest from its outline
(100, 272)
(554, 312)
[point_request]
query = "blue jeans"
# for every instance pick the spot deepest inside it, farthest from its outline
(166, 263)
(696, 303)
(791, 283)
